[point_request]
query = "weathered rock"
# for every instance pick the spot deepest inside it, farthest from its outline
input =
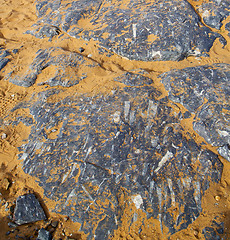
(67, 68)
(140, 30)
(43, 31)
(126, 142)
(28, 210)
(44, 235)
(214, 12)
(210, 234)
(204, 91)
(3, 58)
(54, 224)
(215, 231)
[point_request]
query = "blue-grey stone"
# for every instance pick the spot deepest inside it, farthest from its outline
(139, 30)
(44, 235)
(213, 12)
(28, 210)
(3, 58)
(204, 91)
(107, 145)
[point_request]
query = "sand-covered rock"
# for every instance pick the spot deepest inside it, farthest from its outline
(214, 12)
(205, 92)
(3, 58)
(139, 30)
(116, 114)
(87, 151)
(66, 68)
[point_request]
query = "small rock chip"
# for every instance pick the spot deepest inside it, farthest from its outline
(12, 225)
(3, 136)
(44, 235)
(28, 210)
(51, 230)
(54, 224)
(196, 233)
(217, 198)
(81, 49)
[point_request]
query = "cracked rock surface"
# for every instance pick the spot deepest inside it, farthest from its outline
(138, 30)
(214, 12)
(204, 91)
(116, 114)
(124, 140)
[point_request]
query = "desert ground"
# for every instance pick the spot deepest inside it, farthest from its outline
(95, 66)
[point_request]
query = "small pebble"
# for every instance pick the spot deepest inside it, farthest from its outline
(195, 233)
(8, 233)
(52, 230)
(3, 136)
(43, 235)
(81, 49)
(217, 198)
(15, 51)
(54, 224)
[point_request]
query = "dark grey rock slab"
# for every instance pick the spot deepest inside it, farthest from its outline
(3, 58)
(138, 30)
(213, 12)
(28, 210)
(66, 66)
(44, 235)
(205, 91)
(125, 142)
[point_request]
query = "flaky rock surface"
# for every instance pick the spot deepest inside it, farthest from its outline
(124, 141)
(28, 210)
(139, 30)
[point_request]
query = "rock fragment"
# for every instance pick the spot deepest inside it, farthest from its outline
(44, 235)
(28, 210)
(3, 136)
(43, 31)
(5, 183)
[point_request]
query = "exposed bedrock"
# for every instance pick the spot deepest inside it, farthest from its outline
(136, 29)
(205, 91)
(214, 12)
(87, 151)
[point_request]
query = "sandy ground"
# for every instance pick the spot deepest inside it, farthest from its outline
(16, 17)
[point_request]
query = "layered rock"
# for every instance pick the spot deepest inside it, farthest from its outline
(87, 151)
(139, 30)
(204, 91)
